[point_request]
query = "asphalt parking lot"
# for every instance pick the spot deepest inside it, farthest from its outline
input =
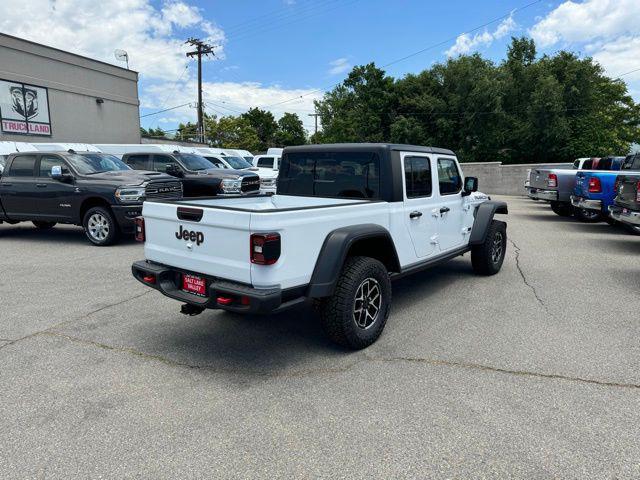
(533, 373)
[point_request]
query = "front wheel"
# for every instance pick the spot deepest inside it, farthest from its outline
(43, 225)
(356, 314)
(100, 227)
(562, 209)
(487, 258)
(588, 216)
(632, 229)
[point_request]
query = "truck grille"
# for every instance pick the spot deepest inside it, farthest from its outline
(250, 184)
(164, 190)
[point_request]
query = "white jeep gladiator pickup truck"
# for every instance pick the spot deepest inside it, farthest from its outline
(345, 221)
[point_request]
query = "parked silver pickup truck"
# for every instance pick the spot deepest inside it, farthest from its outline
(554, 185)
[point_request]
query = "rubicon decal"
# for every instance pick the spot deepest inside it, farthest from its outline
(190, 235)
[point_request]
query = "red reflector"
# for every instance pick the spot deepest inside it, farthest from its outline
(265, 248)
(244, 300)
(149, 279)
(224, 300)
(594, 185)
(139, 229)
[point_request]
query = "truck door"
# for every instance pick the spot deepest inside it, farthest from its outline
(18, 192)
(418, 209)
(452, 231)
(58, 199)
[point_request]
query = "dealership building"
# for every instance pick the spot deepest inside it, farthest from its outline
(49, 95)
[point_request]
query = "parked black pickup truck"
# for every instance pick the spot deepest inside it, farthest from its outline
(626, 207)
(200, 177)
(94, 190)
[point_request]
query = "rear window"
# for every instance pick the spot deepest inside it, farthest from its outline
(587, 164)
(331, 174)
(266, 162)
(632, 162)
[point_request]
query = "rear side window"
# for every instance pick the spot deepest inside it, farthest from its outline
(632, 162)
(23, 166)
(449, 178)
(417, 175)
(266, 162)
(138, 162)
(331, 174)
(587, 164)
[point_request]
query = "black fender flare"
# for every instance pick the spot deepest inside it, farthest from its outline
(334, 252)
(483, 217)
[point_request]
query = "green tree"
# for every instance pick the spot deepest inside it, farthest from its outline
(233, 132)
(290, 131)
(264, 124)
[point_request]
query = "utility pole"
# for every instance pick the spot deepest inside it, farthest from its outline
(201, 49)
(316, 115)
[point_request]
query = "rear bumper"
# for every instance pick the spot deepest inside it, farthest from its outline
(581, 202)
(125, 216)
(624, 215)
(246, 299)
(540, 194)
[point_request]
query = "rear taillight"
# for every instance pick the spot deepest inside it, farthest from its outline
(638, 192)
(552, 181)
(594, 185)
(265, 248)
(139, 229)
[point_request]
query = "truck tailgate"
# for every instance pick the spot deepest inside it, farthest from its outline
(218, 247)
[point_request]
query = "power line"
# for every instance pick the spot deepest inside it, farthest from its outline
(165, 110)
(436, 45)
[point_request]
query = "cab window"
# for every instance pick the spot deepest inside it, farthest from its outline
(160, 163)
(23, 166)
(449, 178)
(138, 162)
(417, 175)
(265, 162)
(46, 163)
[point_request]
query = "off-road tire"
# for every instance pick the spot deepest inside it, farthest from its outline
(562, 209)
(88, 222)
(337, 313)
(588, 216)
(43, 225)
(487, 258)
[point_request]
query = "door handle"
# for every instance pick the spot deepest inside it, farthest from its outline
(41, 185)
(444, 210)
(415, 214)
(6, 184)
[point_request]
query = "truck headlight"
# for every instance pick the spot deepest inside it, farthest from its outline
(130, 194)
(230, 185)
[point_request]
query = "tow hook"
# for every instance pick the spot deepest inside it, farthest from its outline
(191, 310)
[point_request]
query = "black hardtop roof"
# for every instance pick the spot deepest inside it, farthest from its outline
(359, 147)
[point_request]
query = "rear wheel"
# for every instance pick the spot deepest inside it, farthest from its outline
(588, 216)
(487, 258)
(632, 229)
(562, 209)
(356, 314)
(100, 227)
(43, 225)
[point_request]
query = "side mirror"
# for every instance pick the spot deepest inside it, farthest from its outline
(470, 186)
(173, 170)
(56, 172)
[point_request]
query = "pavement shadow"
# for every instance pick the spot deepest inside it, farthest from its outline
(291, 343)
(553, 218)
(65, 234)
(627, 246)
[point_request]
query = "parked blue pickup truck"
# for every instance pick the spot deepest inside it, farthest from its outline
(594, 191)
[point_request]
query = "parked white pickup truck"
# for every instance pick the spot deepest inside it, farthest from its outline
(345, 221)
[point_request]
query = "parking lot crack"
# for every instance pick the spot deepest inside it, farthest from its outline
(524, 277)
(488, 368)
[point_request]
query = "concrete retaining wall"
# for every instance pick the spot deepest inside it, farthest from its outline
(495, 178)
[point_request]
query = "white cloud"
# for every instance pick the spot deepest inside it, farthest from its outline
(466, 43)
(606, 29)
(226, 98)
(150, 35)
(339, 65)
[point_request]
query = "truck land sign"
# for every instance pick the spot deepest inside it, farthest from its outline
(24, 109)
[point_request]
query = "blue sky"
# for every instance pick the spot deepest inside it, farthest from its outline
(272, 51)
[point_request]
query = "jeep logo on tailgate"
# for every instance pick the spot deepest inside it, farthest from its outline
(190, 235)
